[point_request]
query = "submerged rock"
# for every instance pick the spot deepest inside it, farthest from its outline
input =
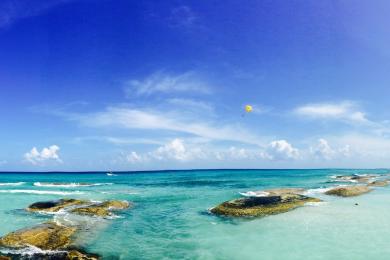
(262, 206)
(76, 255)
(83, 207)
(363, 178)
(55, 206)
(382, 183)
(279, 192)
(101, 209)
(348, 191)
(47, 236)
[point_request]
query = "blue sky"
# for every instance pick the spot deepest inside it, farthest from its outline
(139, 85)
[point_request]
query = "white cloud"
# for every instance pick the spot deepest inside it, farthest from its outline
(47, 154)
(177, 150)
(280, 150)
(134, 157)
(165, 83)
(323, 150)
(342, 111)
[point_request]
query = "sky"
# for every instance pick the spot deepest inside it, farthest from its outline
(149, 85)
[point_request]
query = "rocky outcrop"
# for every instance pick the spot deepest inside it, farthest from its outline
(279, 192)
(57, 238)
(103, 209)
(348, 191)
(47, 236)
(82, 207)
(282, 202)
(55, 206)
(363, 178)
(76, 255)
(378, 183)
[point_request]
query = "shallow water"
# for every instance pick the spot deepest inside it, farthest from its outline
(170, 218)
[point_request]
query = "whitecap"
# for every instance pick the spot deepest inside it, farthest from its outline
(29, 251)
(11, 183)
(68, 185)
(254, 194)
(316, 204)
(42, 192)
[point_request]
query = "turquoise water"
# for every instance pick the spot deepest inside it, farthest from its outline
(170, 218)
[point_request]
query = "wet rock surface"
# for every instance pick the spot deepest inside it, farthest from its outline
(54, 240)
(378, 183)
(348, 191)
(55, 206)
(281, 202)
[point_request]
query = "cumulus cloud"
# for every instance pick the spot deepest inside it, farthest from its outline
(280, 150)
(342, 111)
(134, 157)
(46, 154)
(160, 82)
(323, 150)
(177, 150)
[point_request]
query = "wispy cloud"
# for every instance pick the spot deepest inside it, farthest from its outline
(345, 110)
(128, 118)
(13, 10)
(182, 16)
(161, 82)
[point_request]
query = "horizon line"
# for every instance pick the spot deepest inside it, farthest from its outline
(184, 170)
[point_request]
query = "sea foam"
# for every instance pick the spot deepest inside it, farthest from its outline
(68, 185)
(11, 183)
(42, 192)
(254, 194)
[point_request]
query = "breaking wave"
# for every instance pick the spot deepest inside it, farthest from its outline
(68, 185)
(42, 192)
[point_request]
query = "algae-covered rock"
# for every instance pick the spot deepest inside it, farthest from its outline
(47, 236)
(348, 191)
(101, 209)
(278, 192)
(262, 206)
(382, 183)
(54, 206)
(362, 178)
(76, 255)
(2, 257)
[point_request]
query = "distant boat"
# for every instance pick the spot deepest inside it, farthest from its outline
(111, 174)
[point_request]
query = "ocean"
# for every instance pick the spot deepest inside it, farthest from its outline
(170, 216)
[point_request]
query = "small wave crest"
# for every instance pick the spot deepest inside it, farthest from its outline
(29, 251)
(68, 185)
(11, 183)
(254, 194)
(42, 192)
